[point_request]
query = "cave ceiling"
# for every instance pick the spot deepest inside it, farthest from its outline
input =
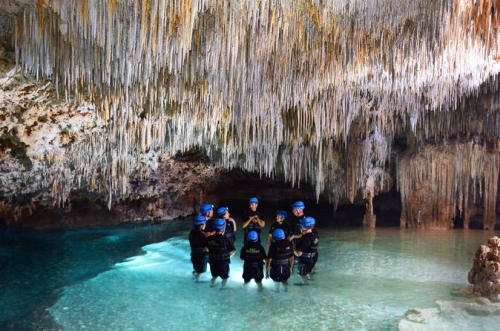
(312, 91)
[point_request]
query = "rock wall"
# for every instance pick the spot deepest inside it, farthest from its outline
(307, 94)
(39, 137)
(453, 180)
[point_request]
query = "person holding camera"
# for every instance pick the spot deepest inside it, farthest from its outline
(252, 220)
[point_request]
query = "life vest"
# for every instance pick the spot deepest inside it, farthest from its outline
(218, 247)
(282, 252)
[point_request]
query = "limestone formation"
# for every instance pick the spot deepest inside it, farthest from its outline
(350, 97)
(455, 179)
(485, 273)
(39, 138)
(272, 87)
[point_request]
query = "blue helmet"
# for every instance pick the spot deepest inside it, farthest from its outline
(298, 205)
(199, 220)
(307, 222)
(253, 200)
(219, 224)
(222, 210)
(281, 213)
(252, 236)
(279, 234)
(206, 208)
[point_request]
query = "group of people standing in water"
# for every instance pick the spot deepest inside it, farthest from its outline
(212, 242)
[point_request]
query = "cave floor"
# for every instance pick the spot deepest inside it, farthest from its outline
(139, 277)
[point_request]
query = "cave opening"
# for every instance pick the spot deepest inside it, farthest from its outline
(277, 195)
(387, 208)
(476, 222)
(458, 220)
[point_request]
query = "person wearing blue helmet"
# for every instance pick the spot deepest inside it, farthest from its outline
(280, 223)
(220, 251)
(253, 255)
(315, 233)
(207, 210)
(280, 259)
(298, 214)
(306, 248)
(252, 220)
(199, 250)
(223, 212)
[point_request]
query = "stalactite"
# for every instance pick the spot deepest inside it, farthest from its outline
(269, 86)
(438, 181)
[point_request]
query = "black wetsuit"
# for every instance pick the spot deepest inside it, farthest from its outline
(254, 255)
(308, 245)
(199, 255)
(252, 226)
(280, 252)
(294, 222)
(210, 225)
(283, 226)
(315, 255)
(229, 233)
(219, 248)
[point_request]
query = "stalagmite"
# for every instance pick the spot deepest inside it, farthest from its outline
(281, 88)
(485, 273)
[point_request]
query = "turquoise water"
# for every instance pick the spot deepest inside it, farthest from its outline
(140, 279)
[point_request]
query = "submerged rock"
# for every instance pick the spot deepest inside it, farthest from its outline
(449, 315)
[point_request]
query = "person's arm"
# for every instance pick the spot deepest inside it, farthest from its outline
(234, 224)
(296, 251)
(263, 254)
(244, 226)
(268, 266)
(233, 250)
(292, 263)
(261, 222)
(303, 243)
(268, 242)
(205, 245)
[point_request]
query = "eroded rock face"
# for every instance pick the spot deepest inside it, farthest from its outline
(289, 89)
(485, 273)
(440, 183)
(317, 116)
(39, 137)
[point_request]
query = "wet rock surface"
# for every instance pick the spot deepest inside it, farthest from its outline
(434, 140)
(485, 273)
(39, 136)
(449, 314)
(452, 180)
